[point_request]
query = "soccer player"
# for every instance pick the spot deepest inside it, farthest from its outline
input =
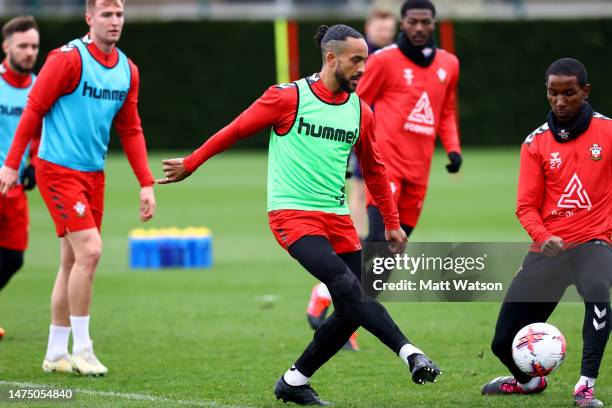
(412, 86)
(83, 88)
(21, 43)
(315, 122)
(564, 203)
(380, 31)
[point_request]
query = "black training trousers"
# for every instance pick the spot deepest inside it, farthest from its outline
(538, 288)
(10, 262)
(341, 273)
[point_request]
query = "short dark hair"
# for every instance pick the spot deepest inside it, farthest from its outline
(569, 67)
(338, 32)
(418, 4)
(19, 24)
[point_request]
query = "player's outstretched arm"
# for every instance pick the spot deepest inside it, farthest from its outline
(174, 170)
(274, 106)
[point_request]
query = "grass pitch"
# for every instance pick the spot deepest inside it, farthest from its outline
(212, 338)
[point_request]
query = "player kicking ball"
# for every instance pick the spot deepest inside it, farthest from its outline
(315, 122)
(564, 203)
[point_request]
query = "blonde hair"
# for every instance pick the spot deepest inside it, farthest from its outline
(91, 4)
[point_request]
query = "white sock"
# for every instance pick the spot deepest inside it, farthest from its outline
(531, 384)
(57, 345)
(407, 350)
(323, 292)
(588, 381)
(80, 333)
(295, 378)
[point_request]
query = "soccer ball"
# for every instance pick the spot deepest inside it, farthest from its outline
(538, 349)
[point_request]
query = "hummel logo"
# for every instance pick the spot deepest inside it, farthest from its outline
(600, 315)
(598, 326)
(555, 160)
(408, 76)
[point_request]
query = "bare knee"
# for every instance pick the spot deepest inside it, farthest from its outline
(90, 256)
(88, 253)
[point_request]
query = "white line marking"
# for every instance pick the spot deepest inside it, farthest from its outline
(129, 396)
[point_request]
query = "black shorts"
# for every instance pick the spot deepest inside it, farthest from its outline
(588, 266)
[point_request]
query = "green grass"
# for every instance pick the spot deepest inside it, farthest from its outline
(207, 336)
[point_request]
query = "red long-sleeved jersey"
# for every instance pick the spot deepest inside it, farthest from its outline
(277, 108)
(412, 104)
(60, 75)
(565, 189)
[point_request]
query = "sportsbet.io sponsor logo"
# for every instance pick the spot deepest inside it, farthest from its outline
(104, 94)
(326, 132)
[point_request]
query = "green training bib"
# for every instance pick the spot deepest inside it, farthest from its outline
(307, 166)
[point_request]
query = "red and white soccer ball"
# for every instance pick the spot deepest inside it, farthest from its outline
(538, 349)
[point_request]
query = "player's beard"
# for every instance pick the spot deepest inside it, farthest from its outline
(344, 82)
(22, 68)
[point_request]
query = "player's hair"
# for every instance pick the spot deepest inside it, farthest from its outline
(19, 24)
(91, 4)
(418, 4)
(329, 38)
(379, 14)
(569, 67)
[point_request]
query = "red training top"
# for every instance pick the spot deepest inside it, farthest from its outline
(60, 75)
(412, 104)
(565, 189)
(277, 107)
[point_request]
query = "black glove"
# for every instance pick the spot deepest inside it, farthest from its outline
(28, 178)
(455, 162)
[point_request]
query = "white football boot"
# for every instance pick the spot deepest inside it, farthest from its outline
(60, 365)
(86, 363)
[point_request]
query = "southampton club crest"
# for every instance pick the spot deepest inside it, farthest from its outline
(442, 74)
(80, 209)
(596, 151)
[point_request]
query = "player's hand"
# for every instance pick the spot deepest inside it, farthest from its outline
(397, 240)
(553, 246)
(28, 178)
(147, 203)
(8, 178)
(455, 162)
(174, 171)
